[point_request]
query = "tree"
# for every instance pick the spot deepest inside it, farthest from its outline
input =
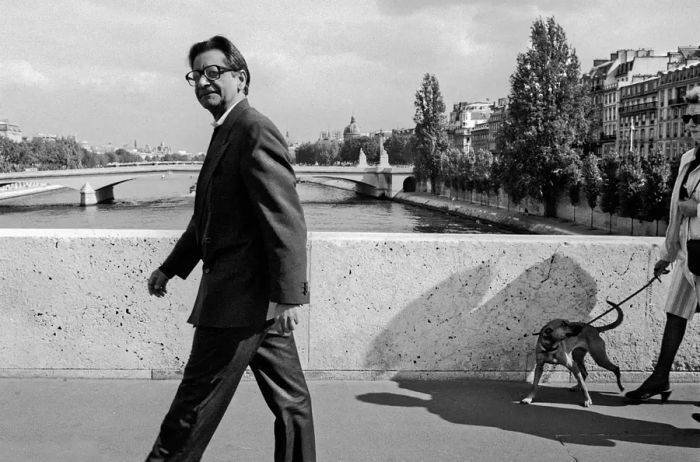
(396, 147)
(546, 118)
(305, 154)
(350, 150)
(609, 199)
(449, 169)
(431, 139)
(656, 194)
(630, 183)
(483, 161)
(592, 181)
(575, 194)
(326, 152)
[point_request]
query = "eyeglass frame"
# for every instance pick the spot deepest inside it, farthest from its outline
(220, 70)
(688, 117)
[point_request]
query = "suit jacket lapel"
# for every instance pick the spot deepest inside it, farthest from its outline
(217, 147)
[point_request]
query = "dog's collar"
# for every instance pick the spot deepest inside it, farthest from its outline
(549, 350)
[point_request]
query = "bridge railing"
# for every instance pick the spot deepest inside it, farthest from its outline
(74, 303)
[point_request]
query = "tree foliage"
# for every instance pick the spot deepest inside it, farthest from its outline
(630, 183)
(592, 181)
(431, 139)
(546, 118)
(350, 150)
(657, 190)
(400, 149)
(609, 199)
(321, 152)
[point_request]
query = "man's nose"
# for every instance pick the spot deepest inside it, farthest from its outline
(202, 78)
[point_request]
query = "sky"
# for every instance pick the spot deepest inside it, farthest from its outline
(111, 71)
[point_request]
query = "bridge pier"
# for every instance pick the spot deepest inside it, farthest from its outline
(89, 196)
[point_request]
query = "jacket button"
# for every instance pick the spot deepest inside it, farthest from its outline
(207, 270)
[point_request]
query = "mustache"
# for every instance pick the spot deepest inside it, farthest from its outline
(206, 91)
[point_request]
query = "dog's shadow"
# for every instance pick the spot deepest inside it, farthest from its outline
(481, 318)
(496, 404)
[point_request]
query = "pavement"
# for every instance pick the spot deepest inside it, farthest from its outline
(534, 224)
(61, 420)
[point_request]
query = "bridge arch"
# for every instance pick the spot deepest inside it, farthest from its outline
(409, 184)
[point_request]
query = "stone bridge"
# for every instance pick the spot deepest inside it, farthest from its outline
(96, 185)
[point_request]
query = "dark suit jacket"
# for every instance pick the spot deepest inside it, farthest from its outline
(248, 226)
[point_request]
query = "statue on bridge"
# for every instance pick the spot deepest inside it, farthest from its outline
(362, 160)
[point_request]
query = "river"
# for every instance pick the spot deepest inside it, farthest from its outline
(147, 203)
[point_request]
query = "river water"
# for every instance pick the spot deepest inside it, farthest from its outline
(166, 203)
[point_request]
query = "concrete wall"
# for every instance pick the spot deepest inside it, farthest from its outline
(74, 303)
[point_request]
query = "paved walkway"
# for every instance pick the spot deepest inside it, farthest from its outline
(116, 420)
(532, 223)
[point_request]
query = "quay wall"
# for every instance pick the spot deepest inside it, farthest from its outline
(73, 303)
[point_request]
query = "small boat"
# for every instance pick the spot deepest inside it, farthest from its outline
(193, 188)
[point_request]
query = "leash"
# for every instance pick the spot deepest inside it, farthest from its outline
(617, 305)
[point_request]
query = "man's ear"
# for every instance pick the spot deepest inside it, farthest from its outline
(243, 79)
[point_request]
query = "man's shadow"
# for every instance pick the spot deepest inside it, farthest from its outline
(473, 321)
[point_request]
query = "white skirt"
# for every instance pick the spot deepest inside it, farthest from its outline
(682, 299)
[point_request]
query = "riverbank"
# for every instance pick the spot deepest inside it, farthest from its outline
(10, 191)
(513, 218)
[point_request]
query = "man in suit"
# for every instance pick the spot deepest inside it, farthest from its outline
(249, 232)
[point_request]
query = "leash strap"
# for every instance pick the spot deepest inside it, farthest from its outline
(623, 301)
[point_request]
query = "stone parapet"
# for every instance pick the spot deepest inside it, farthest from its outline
(74, 304)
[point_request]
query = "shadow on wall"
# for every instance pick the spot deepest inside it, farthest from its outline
(459, 325)
(495, 405)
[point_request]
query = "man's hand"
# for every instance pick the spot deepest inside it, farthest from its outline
(688, 208)
(285, 316)
(660, 268)
(157, 282)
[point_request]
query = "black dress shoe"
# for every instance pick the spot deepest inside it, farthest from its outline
(647, 391)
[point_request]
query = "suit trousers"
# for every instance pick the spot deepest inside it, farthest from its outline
(213, 371)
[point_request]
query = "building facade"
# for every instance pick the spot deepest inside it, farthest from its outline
(638, 108)
(495, 122)
(463, 118)
(480, 137)
(10, 131)
(672, 88)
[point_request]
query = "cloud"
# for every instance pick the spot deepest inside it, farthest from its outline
(108, 80)
(21, 73)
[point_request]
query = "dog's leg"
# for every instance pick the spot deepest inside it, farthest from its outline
(599, 355)
(578, 354)
(535, 382)
(573, 367)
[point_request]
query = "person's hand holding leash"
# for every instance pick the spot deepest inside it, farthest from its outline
(660, 268)
(157, 282)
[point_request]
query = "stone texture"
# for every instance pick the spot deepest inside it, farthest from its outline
(75, 303)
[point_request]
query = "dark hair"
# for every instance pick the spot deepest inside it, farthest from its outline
(233, 57)
(693, 96)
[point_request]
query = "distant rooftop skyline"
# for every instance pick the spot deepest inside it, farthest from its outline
(113, 71)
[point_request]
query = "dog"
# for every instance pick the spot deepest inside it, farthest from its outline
(564, 342)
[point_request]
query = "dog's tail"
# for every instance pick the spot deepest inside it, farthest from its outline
(616, 322)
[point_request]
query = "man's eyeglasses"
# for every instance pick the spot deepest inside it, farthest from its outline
(694, 117)
(211, 73)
